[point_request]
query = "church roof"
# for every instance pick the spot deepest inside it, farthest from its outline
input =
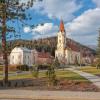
(73, 46)
(62, 29)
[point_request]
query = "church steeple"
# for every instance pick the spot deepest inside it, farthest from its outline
(62, 29)
(61, 42)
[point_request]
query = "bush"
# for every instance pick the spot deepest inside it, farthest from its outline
(12, 67)
(43, 67)
(23, 67)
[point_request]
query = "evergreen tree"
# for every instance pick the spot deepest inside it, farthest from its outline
(56, 63)
(51, 75)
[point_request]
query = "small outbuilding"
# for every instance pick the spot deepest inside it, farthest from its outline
(21, 56)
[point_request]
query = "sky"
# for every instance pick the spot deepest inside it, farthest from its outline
(81, 19)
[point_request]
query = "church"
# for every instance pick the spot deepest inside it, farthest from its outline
(68, 54)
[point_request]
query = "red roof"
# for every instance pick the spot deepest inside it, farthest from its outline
(62, 29)
(73, 46)
(44, 55)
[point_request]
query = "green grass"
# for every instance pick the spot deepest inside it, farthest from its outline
(89, 69)
(59, 73)
(65, 74)
(20, 76)
(70, 75)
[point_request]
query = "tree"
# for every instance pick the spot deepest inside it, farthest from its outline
(98, 52)
(11, 10)
(56, 63)
(34, 71)
(51, 75)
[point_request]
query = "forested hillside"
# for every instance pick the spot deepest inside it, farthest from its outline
(46, 44)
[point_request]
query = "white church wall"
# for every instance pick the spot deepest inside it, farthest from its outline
(16, 56)
(21, 56)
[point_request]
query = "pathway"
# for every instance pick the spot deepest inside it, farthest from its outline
(48, 95)
(93, 78)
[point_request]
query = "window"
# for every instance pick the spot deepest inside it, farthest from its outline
(59, 40)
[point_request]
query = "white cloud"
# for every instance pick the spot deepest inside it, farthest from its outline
(97, 2)
(24, 1)
(27, 29)
(85, 27)
(57, 8)
(46, 30)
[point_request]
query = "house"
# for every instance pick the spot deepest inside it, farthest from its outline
(41, 57)
(24, 56)
(68, 52)
(21, 56)
(44, 58)
(34, 54)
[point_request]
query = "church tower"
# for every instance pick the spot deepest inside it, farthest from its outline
(61, 38)
(61, 41)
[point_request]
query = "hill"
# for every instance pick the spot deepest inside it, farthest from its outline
(46, 44)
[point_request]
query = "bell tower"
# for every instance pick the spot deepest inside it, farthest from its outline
(61, 39)
(61, 42)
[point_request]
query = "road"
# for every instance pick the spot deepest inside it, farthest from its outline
(48, 95)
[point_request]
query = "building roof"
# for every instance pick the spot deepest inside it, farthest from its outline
(62, 29)
(44, 55)
(73, 46)
(24, 49)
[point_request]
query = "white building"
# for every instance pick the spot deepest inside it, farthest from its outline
(21, 56)
(34, 55)
(63, 52)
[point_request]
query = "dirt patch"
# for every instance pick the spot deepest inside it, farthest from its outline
(63, 84)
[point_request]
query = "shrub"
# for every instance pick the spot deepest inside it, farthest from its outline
(43, 67)
(23, 67)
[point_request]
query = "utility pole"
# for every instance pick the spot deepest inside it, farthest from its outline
(4, 49)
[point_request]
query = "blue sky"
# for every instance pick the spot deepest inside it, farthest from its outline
(81, 19)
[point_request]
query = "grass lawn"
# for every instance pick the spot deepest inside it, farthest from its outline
(92, 70)
(20, 76)
(70, 75)
(59, 73)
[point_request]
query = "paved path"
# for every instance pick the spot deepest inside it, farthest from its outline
(93, 78)
(48, 95)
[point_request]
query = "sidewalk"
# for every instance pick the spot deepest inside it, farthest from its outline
(48, 95)
(93, 78)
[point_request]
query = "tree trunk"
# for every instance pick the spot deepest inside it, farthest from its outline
(4, 50)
